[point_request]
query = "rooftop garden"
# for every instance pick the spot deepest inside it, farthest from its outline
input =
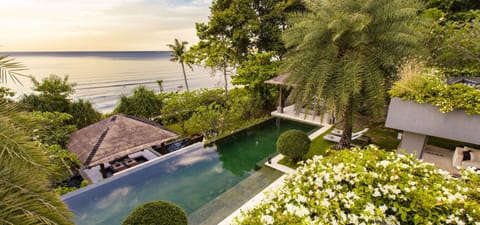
(427, 86)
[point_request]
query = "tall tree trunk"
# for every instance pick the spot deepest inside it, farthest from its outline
(346, 139)
(226, 84)
(185, 76)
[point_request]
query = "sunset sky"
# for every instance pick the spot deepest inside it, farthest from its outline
(98, 25)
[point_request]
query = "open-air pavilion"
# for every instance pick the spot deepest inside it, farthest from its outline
(114, 138)
(290, 112)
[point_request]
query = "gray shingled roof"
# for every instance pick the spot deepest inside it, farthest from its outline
(115, 137)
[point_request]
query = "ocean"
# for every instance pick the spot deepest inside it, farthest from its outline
(102, 77)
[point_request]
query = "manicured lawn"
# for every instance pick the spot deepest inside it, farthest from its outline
(318, 146)
(383, 137)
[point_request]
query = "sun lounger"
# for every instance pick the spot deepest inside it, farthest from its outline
(335, 138)
(339, 132)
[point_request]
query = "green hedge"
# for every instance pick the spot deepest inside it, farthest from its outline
(157, 213)
(293, 144)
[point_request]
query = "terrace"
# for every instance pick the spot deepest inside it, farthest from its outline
(446, 110)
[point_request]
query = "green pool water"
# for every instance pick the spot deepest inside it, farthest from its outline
(190, 178)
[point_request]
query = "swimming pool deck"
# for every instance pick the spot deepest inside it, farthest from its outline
(276, 184)
(290, 113)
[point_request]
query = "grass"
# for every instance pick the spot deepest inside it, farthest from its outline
(318, 146)
(381, 136)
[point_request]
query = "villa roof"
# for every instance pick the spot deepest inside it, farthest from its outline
(115, 137)
(281, 79)
(472, 81)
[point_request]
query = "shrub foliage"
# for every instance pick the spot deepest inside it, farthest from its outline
(157, 213)
(370, 186)
(293, 144)
(423, 87)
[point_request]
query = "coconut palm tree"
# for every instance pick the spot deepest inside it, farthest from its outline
(25, 196)
(179, 54)
(10, 68)
(342, 54)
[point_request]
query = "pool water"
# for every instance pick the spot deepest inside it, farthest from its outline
(190, 178)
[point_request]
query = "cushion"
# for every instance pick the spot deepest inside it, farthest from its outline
(471, 164)
(470, 149)
(475, 156)
(466, 155)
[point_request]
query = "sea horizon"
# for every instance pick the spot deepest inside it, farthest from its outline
(101, 77)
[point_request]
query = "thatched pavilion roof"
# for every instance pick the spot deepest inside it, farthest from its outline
(115, 137)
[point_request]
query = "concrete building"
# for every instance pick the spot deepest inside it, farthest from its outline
(419, 121)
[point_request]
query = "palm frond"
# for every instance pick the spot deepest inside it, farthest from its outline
(10, 68)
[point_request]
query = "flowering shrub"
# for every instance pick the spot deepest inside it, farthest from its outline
(370, 186)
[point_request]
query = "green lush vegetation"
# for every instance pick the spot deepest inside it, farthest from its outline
(158, 213)
(370, 186)
(453, 36)
(25, 193)
(343, 56)
(344, 64)
(294, 144)
(318, 146)
(422, 86)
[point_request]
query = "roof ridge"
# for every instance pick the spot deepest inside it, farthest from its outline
(149, 122)
(96, 146)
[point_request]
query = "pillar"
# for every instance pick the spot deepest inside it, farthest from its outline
(413, 143)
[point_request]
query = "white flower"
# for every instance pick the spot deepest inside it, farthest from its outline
(266, 219)
(325, 202)
(384, 163)
(383, 208)
(370, 208)
(376, 193)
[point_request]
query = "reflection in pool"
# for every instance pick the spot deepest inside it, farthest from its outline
(190, 178)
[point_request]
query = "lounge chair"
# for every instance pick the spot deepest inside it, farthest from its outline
(336, 139)
(339, 132)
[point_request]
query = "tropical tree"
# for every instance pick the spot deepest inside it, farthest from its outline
(24, 194)
(83, 113)
(143, 103)
(53, 94)
(343, 54)
(179, 54)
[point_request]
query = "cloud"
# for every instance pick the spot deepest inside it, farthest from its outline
(99, 25)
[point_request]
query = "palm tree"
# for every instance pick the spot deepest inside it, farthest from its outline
(343, 54)
(25, 197)
(179, 54)
(10, 68)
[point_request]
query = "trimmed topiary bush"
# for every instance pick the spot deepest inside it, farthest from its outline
(293, 144)
(157, 213)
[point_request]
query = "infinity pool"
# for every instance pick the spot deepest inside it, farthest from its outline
(190, 178)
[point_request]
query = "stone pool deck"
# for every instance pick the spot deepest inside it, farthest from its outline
(215, 211)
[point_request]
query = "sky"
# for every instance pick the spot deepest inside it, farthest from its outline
(98, 25)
